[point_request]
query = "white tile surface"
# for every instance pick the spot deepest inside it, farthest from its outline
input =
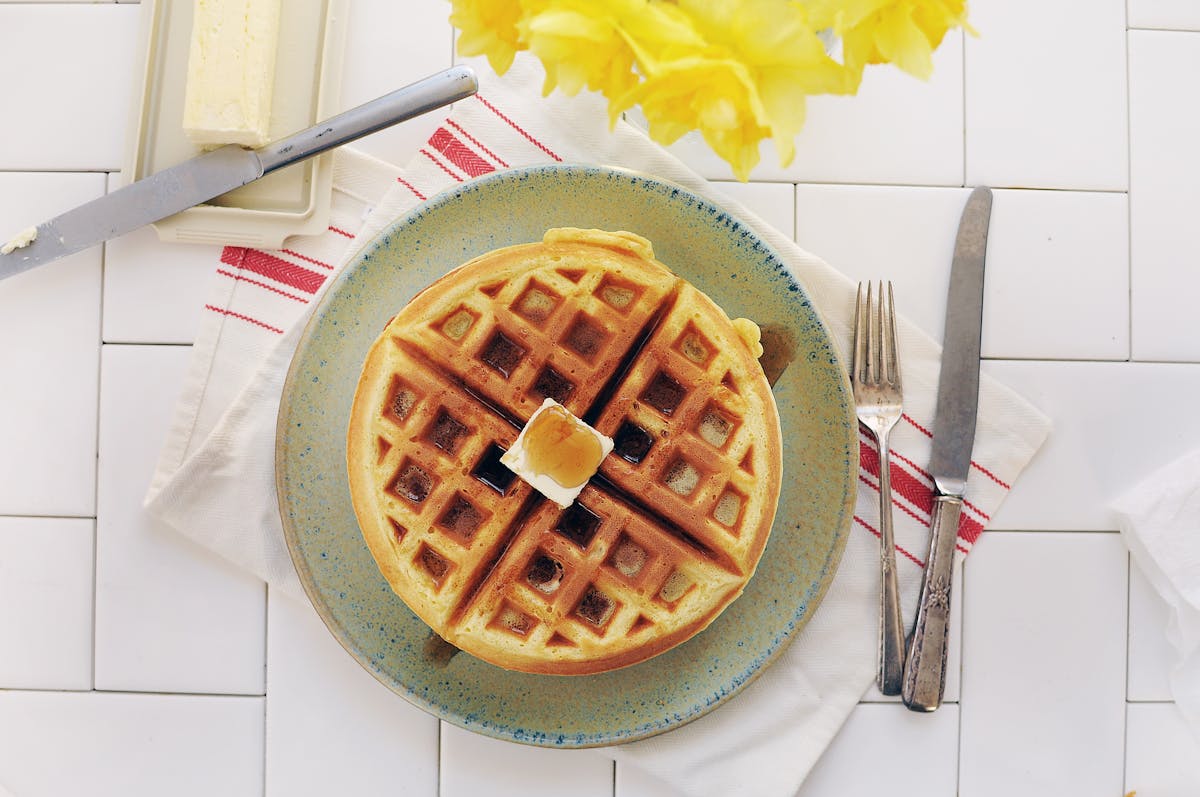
(1164, 201)
(319, 698)
(84, 58)
(48, 401)
(390, 45)
(1057, 283)
(1114, 423)
(472, 765)
(842, 142)
(634, 782)
(46, 603)
(774, 203)
(1043, 710)
(170, 616)
(1163, 757)
(1151, 656)
(1044, 110)
(890, 750)
(153, 291)
(107, 745)
(1164, 14)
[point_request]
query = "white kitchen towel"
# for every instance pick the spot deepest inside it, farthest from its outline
(1160, 522)
(215, 480)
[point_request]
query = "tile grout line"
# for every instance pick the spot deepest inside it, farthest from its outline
(1128, 617)
(96, 480)
(1129, 194)
(964, 107)
(266, 679)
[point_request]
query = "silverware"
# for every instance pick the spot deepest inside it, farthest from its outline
(875, 375)
(214, 173)
(953, 439)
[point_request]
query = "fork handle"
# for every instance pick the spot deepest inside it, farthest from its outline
(891, 626)
(925, 670)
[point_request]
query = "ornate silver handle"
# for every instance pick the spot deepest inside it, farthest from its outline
(925, 669)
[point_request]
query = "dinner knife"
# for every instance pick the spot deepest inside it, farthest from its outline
(211, 174)
(953, 439)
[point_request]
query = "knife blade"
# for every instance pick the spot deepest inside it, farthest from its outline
(953, 439)
(214, 173)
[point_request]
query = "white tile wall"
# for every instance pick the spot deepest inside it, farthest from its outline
(110, 745)
(1164, 201)
(1163, 755)
(472, 765)
(1151, 656)
(1164, 14)
(84, 58)
(151, 288)
(398, 43)
(1072, 246)
(1043, 709)
(1114, 423)
(774, 203)
(46, 603)
(890, 750)
(48, 427)
(1046, 110)
(319, 698)
(170, 616)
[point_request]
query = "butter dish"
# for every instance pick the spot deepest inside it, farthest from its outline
(293, 201)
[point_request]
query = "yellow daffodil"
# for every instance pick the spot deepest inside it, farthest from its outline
(488, 28)
(737, 71)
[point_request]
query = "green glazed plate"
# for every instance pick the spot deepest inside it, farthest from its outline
(700, 242)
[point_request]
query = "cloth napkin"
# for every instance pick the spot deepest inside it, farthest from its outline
(215, 479)
(1159, 520)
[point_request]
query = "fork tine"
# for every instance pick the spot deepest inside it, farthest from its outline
(873, 339)
(893, 350)
(861, 316)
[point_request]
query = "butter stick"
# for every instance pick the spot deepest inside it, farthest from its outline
(231, 72)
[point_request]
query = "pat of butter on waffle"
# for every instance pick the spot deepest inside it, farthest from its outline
(556, 453)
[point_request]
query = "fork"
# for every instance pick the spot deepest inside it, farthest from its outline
(875, 376)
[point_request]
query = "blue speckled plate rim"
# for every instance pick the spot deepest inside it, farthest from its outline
(809, 603)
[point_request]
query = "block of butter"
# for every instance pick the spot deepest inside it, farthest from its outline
(231, 72)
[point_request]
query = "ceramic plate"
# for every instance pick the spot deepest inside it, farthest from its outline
(701, 243)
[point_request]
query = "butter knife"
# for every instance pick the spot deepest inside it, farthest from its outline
(206, 176)
(953, 440)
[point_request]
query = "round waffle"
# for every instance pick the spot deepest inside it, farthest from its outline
(662, 539)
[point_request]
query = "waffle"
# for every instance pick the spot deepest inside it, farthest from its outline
(659, 542)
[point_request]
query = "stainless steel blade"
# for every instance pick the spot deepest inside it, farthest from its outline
(206, 176)
(958, 383)
(160, 195)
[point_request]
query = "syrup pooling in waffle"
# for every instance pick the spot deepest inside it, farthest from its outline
(655, 546)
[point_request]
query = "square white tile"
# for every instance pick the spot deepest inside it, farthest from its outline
(1044, 110)
(472, 764)
(50, 317)
(1162, 757)
(45, 603)
(54, 744)
(154, 292)
(85, 58)
(1043, 692)
(1114, 423)
(1164, 202)
(896, 129)
(320, 698)
(390, 45)
(170, 616)
(1151, 656)
(1164, 14)
(887, 749)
